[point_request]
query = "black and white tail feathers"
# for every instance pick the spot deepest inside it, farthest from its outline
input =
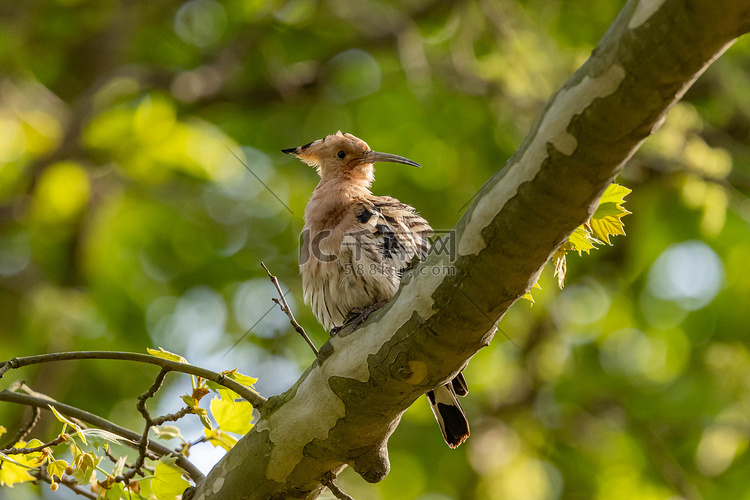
(448, 412)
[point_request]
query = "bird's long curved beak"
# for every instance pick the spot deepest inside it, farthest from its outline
(374, 156)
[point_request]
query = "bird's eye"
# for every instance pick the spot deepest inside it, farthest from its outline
(341, 155)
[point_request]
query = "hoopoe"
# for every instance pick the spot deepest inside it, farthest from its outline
(356, 246)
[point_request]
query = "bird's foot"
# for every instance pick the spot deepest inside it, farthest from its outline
(360, 315)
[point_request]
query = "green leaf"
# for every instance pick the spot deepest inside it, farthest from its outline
(119, 466)
(528, 296)
(84, 464)
(116, 492)
(57, 467)
(161, 353)
(12, 472)
(240, 378)
(615, 193)
(582, 241)
(167, 432)
(220, 439)
(65, 421)
(203, 415)
(101, 438)
(606, 220)
(189, 401)
(232, 416)
(223, 392)
(596, 231)
(561, 266)
(167, 483)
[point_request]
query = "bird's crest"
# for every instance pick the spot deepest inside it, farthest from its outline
(343, 153)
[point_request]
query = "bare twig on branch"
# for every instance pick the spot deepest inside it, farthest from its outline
(253, 397)
(281, 301)
(337, 492)
(34, 449)
(26, 427)
(132, 438)
(129, 465)
(144, 441)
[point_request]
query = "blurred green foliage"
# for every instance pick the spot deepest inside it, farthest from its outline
(126, 222)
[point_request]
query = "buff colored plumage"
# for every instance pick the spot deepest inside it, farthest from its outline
(356, 246)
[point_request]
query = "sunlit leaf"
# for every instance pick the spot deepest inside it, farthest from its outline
(189, 401)
(12, 473)
(65, 421)
(57, 467)
(561, 266)
(100, 437)
(167, 432)
(115, 492)
(223, 392)
(232, 416)
(84, 464)
(220, 439)
(167, 482)
(581, 240)
(119, 466)
(238, 377)
(606, 220)
(203, 415)
(596, 231)
(161, 353)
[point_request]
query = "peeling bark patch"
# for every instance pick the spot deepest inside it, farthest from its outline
(569, 102)
(643, 12)
(216, 487)
(310, 414)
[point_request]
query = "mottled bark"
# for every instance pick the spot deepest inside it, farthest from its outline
(343, 409)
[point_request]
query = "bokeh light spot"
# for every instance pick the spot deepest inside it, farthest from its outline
(689, 273)
(200, 22)
(352, 74)
(62, 193)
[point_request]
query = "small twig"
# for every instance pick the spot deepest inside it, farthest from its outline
(131, 437)
(172, 417)
(328, 482)
(253, 397)
(26, 427)
(25, 451)
(128, 465)
(144, 441)
(286, 310)
(41, 474)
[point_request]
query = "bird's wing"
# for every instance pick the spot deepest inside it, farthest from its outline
(396, 233)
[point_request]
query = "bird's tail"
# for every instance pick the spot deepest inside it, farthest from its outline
(448, 412)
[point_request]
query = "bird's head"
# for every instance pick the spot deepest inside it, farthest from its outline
(344, 156)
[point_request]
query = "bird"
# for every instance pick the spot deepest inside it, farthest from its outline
(356, 247)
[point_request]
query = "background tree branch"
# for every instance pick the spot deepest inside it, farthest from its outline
(133, 438)
(253, 397)
(346, 405)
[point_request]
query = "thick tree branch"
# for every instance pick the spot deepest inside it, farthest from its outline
(345, 406)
